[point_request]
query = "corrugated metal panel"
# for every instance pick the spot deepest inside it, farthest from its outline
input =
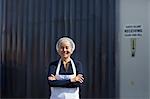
(29, 31)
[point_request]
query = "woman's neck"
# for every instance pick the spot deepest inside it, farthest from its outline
(66, 60)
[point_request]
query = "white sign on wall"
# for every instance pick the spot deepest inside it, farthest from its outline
(133, 31)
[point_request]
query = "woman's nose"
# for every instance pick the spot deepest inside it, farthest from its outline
(64, 49)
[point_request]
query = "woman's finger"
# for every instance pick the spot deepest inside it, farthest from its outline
(81, 81)
(80, 75)
(52, 75)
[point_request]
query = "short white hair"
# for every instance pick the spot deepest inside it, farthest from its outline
(65, 39)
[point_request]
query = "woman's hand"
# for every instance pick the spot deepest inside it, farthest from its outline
(52, 77)
(78, 78)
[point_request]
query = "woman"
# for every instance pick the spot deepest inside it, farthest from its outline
(65, 75)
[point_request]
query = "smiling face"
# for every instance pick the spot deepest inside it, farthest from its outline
(65, 49)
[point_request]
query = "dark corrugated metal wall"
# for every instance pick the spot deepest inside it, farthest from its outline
(29, 30)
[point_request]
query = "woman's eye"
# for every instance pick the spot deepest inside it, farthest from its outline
(64, 47)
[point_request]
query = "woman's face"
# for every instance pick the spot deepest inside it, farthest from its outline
(65, 49)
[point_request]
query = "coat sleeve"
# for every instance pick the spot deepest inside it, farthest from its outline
(79, 69)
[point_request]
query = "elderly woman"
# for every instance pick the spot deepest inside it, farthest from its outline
(65, 75)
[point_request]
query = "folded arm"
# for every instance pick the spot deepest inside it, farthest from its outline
(74, 82)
